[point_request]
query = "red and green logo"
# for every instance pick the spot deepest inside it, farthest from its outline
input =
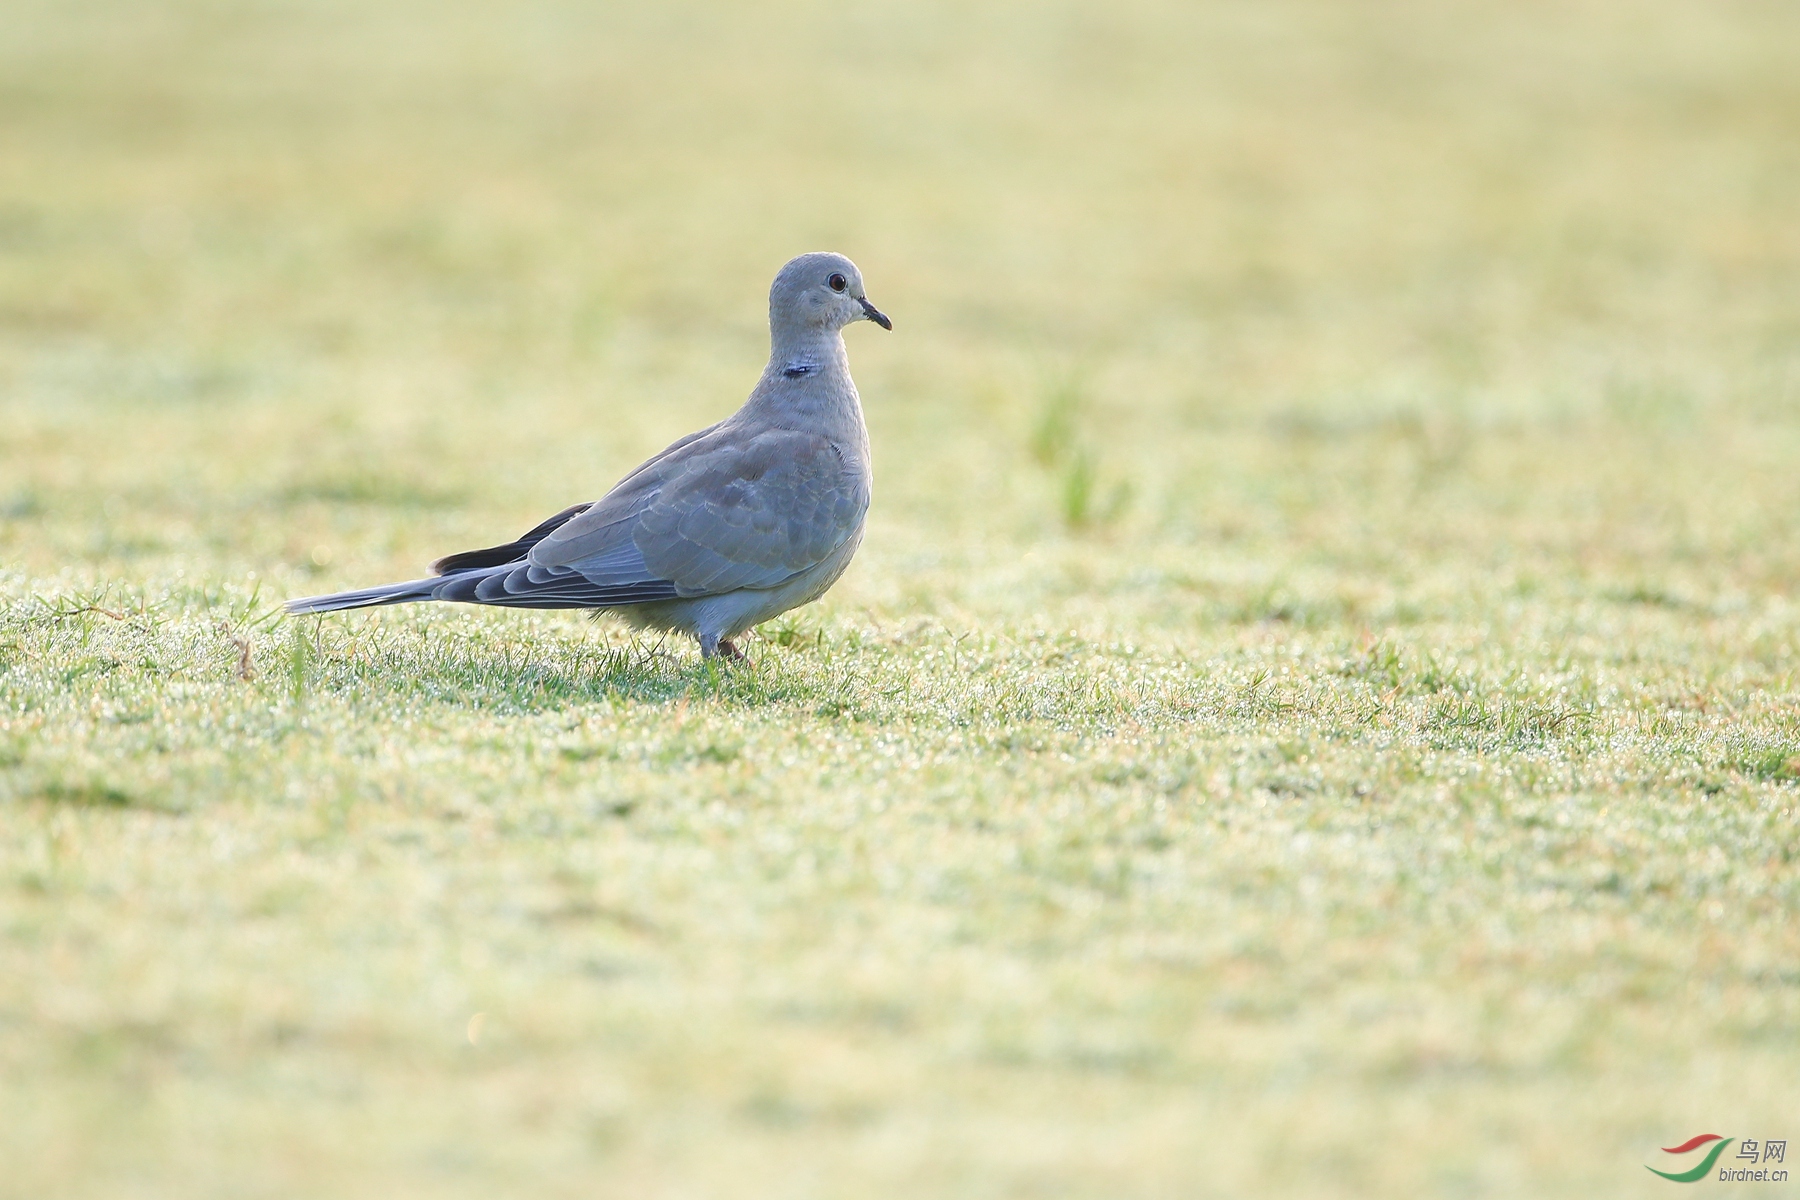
(1748, 1165)
(1705, 1165)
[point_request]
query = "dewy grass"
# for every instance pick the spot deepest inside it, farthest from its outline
(1393, 793)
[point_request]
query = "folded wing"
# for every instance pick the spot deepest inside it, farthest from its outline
(722, 512)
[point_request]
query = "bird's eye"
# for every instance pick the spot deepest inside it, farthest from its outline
(838, 283)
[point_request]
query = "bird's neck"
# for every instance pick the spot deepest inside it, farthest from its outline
(808, 353)
(807, 385)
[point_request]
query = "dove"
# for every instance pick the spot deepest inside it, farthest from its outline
(726, 528)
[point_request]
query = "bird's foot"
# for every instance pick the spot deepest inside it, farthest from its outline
(712, 647)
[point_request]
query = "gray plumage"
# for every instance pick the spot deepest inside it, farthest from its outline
(726, 528)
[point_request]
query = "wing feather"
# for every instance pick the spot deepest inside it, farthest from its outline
(717, 513)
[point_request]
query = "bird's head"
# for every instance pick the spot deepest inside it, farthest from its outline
(820, 291)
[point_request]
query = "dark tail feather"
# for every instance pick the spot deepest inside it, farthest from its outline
(391, 593)
(511, 552)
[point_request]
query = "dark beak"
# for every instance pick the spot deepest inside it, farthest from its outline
(875, 314)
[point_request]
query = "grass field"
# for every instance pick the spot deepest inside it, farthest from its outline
(1316, 713)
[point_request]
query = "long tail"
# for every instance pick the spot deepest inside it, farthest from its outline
(509, 585)
(390, 593)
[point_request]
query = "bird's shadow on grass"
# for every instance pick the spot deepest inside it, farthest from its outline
(555, 673)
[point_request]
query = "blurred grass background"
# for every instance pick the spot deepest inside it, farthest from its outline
(1314, 713)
